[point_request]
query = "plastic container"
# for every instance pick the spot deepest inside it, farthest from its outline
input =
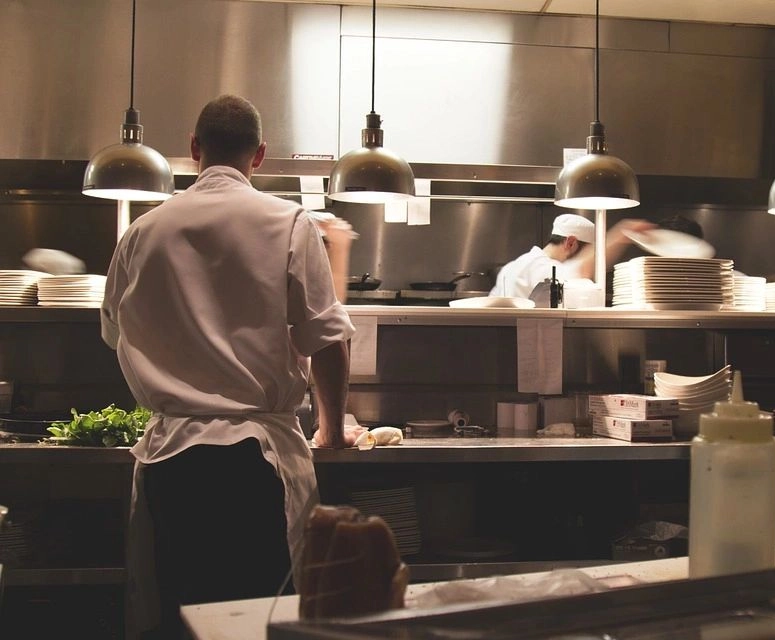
(732, 492)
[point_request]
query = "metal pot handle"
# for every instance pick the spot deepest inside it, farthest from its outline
(460, 275)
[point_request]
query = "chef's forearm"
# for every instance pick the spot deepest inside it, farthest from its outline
(330, 373)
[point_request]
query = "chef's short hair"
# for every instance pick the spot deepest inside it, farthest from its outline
(228, 127)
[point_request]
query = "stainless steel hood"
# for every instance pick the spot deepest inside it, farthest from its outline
(454, 87)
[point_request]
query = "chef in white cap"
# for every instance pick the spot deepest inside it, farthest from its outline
(570, 250)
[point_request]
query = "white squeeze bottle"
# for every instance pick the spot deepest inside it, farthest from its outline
(732, 490)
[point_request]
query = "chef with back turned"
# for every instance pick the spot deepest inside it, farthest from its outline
(570, 250)
(220, 303)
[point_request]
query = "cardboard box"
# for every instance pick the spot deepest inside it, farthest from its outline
(632, 405)
(632, 430)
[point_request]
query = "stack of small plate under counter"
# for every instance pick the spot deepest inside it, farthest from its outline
(654, 282)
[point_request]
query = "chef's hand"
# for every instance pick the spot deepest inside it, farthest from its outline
(337, 232)
(341, 440)
(616, 236)
(338, 236)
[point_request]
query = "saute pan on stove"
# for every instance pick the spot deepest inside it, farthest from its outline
(363, 283)
(28, 427)
(440, 286)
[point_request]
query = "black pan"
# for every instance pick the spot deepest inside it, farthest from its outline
(363, 283)
(440, 286)
(29, 427)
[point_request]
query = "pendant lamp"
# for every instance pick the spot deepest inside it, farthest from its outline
(371, 174)
(129, 170)
(597, 180)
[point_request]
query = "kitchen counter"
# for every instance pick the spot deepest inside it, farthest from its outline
(247, 619)
(412, 450)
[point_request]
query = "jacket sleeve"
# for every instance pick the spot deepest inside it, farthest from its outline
(315, 316)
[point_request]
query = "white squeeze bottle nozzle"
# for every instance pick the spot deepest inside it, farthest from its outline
(732, 489)
(736, 419)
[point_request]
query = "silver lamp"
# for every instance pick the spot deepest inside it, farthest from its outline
(597, 181)
(129, 171)
(371, 174)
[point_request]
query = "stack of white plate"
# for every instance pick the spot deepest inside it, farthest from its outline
(19, 287)
(653, 282)
(769, 296)
(695, 395)
(398, 508)
(82, 290)
(749, 293)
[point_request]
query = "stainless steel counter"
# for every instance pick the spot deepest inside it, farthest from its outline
(414, 450)
(455, 450)
(587, 318)
(446, 316)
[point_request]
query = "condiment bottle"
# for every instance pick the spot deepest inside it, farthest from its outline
(732, 491)
(555, 290)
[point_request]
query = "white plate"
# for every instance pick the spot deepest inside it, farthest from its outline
(671, 244)
(675, 379)
(493, 302)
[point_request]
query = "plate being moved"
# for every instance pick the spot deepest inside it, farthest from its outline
(493, 302)
(671, 244)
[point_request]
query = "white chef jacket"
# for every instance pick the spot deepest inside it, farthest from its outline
(518, 278)
(202, 295)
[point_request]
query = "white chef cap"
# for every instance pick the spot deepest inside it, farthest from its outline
(570, 224)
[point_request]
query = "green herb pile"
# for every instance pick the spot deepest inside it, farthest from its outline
(111, 427)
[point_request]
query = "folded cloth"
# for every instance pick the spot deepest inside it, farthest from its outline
(382, 436)
(558, 430)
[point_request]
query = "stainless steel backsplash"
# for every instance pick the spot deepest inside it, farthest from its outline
(689, 106)
(452, 86)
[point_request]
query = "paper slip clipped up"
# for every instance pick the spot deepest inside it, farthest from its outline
(539, 356)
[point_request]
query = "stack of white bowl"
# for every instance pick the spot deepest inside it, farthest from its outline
(696, 395)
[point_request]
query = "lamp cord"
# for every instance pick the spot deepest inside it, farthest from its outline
(373, 48)
(132, 66)
(597, 60)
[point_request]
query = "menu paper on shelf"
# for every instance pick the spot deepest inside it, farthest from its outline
(539, 356)
(422, 187)
(418, 211)
(363, 346)
(311, 184)
(312, 192)
(313, 201)
(396, 211)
